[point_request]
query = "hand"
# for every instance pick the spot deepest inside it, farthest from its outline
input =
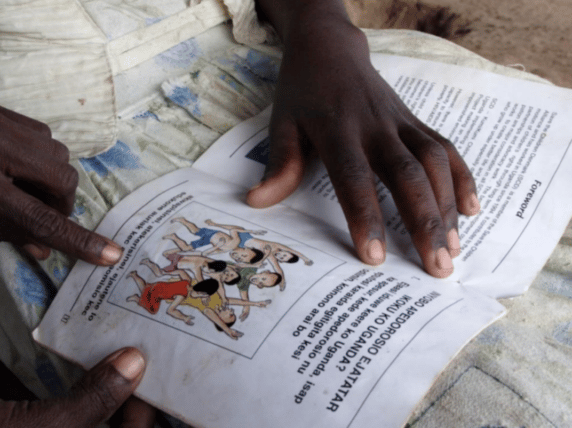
(37, 187)
(330, 100)
(234, 334)
(206, 300)
(308, 262)
(263, 303)
(245, 312)
(91, 401)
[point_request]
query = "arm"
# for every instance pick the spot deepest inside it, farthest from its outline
(307, 261)
(237, 229)
(212, 315)
(239, 302)
(278, 269)
(245, 309)
(222, 293)
(215, 249)
(176, 313)
(329, 94)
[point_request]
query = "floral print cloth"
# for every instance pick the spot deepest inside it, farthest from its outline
(170, 109)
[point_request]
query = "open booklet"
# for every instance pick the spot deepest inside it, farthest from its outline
(266, 318)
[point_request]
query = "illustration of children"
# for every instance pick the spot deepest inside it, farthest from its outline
(198, 266)
(248, 276)
(152, 294)
(221, 242)
(248, 249)
(205, 299)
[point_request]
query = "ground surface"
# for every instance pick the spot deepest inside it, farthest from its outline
(534, 33)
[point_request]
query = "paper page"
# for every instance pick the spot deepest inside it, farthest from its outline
(513, 134)
(337, 344)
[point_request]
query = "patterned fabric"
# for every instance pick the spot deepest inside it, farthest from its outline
(170, 109)
(58, 57)
(156, 136)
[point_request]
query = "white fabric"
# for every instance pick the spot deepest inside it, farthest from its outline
(58, 64)
(58, 57)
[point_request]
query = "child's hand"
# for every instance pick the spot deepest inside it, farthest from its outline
(331, 100)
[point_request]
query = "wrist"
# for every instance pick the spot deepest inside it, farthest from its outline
(326, 40)
(294, 18)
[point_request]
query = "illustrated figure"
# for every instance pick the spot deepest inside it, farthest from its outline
(198, 266)
(221, 242)
(249, 276)
(202, 296)
(248, 249)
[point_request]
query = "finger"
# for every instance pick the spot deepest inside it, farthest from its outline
(463, 181)
(435, 161)
(285, 168)
(90, 402)
(38, 251)
(353, 182)
(104, 388)
(38, 223)
(407, 181)
(50, 180)
(33, 136)
(28, 122)
(135, 413)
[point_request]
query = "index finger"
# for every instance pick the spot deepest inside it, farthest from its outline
(39, 223)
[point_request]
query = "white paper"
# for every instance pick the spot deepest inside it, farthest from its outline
(329, 350)
(517, 145)
(343, 344)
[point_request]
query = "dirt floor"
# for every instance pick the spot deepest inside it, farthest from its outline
(534, 33)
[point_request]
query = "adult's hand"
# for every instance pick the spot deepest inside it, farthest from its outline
(91, 401)
(330, 100)
(37, 188)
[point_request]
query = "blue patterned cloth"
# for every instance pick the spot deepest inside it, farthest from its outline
(168, 131)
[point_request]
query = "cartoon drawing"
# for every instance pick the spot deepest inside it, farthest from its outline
(202, 296)
(198, 266)
(221, 242)
(248, 249)
(248, 276)
(152, 294)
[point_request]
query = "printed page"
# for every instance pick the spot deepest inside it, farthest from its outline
(513, 134)
(296, 335)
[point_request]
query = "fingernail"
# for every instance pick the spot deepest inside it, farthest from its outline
(444, 262)
(375, 251)
(474, 204)
(129, 363)
(255, 187)
(111, 253)
(454, 243)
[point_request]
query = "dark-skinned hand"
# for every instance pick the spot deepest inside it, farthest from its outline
(37, 189)
(330, 100)
(91, 401)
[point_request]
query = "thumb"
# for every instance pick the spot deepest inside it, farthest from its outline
(105, 387)
(285, 168)
(94, 398)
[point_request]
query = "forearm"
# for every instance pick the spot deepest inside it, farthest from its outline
(239, 302)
